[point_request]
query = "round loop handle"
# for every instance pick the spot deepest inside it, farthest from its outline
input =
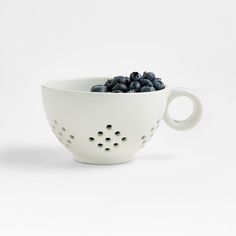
(194, 118)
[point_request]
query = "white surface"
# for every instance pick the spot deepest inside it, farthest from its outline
(182, 183)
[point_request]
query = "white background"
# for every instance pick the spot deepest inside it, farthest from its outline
(181, 183)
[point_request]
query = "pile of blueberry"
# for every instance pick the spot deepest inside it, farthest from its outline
(135, 83)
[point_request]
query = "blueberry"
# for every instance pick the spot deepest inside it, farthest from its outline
(135, 85)
(122, 80)
(146, 82)
(149, 75)
(121, 87)
(135, 76)
(146, 89)
(115, 80)
(158, 84)
(99, 88)
(108, 84)
(127, 81)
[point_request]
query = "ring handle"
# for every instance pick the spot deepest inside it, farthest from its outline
(193, 119)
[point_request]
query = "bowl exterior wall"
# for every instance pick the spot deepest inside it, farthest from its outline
(103, 128)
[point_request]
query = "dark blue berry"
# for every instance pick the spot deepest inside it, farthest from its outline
(121, 87)
(149, 75)
(158, 85)
(146, 82)
(127, 81)
(146, 89)
(135, 85)
(122, 79)
(108, 85)
(115, 80)
(99, 88)
(135, 76)
(108, 82)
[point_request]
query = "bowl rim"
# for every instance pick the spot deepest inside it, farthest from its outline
(48, 85)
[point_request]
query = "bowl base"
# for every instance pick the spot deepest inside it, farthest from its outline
(102, 162)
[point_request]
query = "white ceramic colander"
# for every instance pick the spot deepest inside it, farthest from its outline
(108, 128)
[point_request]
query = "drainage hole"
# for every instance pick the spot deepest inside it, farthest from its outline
(143, 137)
(117, 133)
(108, 139)
(109, 126)
(115, 144)
(100, 133)
(124, 139)
(107, 149)
(91, 139)
(72, 137)
(100, 145)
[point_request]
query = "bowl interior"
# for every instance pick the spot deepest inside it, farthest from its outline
(82, 85)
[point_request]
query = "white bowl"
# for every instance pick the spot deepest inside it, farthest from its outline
(108, 128)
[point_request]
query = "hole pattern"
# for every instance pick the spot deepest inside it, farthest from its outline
(149, 135)
(62, 135)
(110, 141)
